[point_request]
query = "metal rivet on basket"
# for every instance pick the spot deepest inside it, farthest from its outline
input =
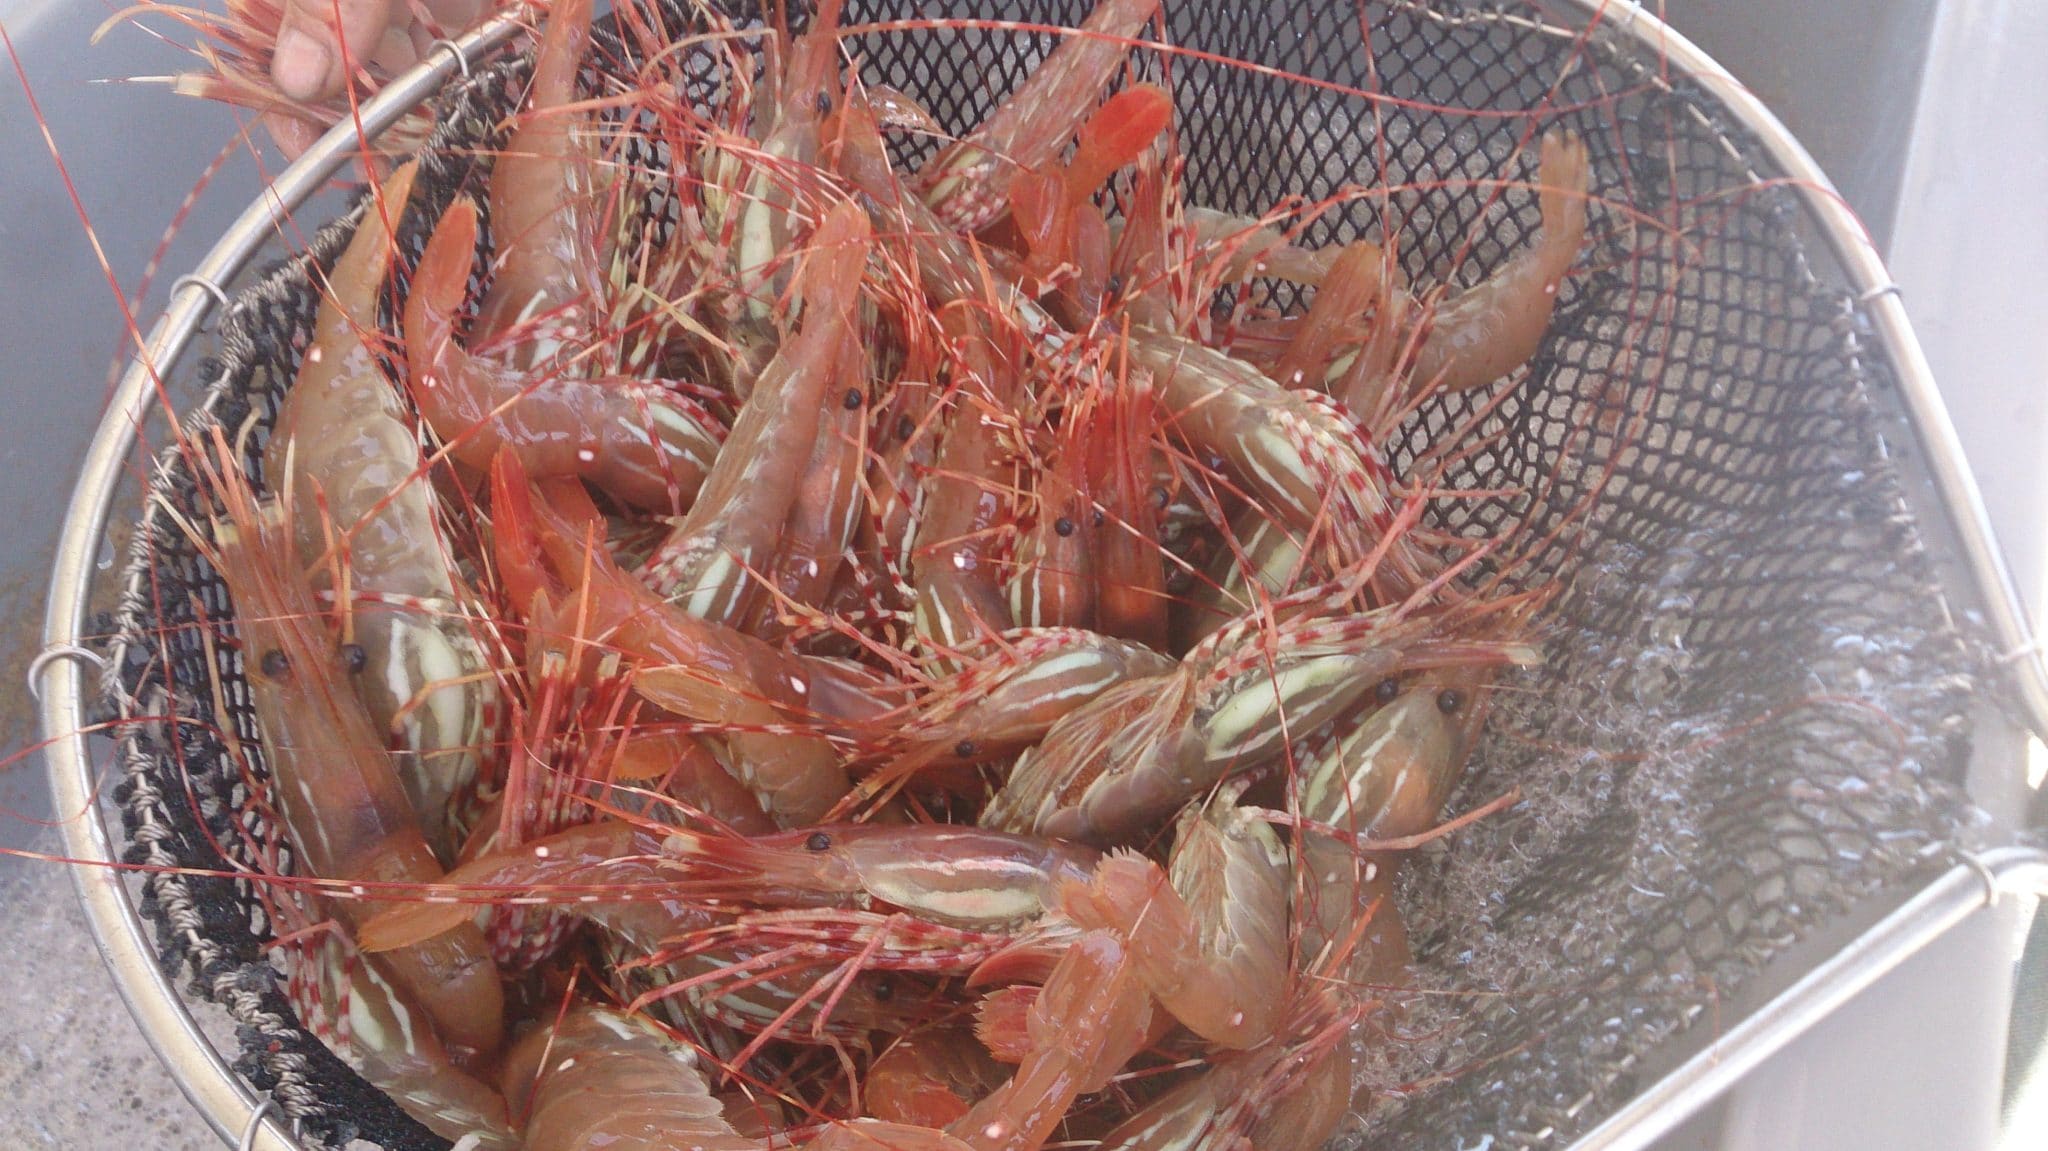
(52, 654)
(248, 1140)
(455, 50)
(2028, 650)
(220, 297)
(1992, 889)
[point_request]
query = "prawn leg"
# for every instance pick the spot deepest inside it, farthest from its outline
(696, 669)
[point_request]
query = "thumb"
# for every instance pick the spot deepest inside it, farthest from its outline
(451, 17)
(307, 63)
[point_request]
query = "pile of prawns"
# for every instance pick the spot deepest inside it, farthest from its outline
(879, 659)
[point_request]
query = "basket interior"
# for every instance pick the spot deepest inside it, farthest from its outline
(1748, 719)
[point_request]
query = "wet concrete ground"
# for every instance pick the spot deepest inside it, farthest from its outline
(74, 1070)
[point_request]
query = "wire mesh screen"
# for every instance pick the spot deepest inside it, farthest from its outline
(1749, 716)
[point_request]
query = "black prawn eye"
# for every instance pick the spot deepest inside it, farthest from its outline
(964, 749)
(905, 426)
(1063, 526)
(1386, 690)
(1096, 519)
(884, 990)
(818, 841)
(275, 664)
(852, 399)
(1113, 287)
(354, 658)
(824, 103)
(1450, 700)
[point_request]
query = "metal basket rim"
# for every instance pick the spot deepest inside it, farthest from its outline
(240, 1115)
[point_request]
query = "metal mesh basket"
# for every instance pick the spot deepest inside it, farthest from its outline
(1751, 720)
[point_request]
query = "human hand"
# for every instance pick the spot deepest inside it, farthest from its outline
(389, 34)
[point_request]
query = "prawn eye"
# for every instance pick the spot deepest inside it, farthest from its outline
(1096, 519)
(1063, 526)
(904, 427)
(276, 664)
(1160, 499)
(1114, 286)
(824, 104)
(964, 749)
(1450, 700)
(354, 658)
(818, 841)
(884, 990)
(852, 399)
(1387, 689)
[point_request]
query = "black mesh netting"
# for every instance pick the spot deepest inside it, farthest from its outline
(1750, 716)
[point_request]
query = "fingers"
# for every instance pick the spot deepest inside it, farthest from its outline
(456, 16)
(307, 64)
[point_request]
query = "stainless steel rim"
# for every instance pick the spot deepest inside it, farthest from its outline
(2005, 611)
(229, 1104)
(242, 1117)
(1970, 886)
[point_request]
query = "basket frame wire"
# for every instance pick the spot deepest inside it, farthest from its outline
(242, 1117)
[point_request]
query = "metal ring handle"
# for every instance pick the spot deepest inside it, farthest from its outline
(455, 50)
(52, 654)
(189, 280)
(248, 1140)
(1939, 907)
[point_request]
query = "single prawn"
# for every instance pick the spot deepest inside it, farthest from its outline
(515, 387)
(707, 563)
(342, 444)
(1489, 330)
(968, 183)
(953, 557)
(1238, 700)
(610, 874)
(765, 696)
(334, 784)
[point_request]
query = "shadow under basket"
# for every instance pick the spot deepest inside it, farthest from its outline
(1749, 726)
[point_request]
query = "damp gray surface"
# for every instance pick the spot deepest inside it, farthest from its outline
(74, 1069)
